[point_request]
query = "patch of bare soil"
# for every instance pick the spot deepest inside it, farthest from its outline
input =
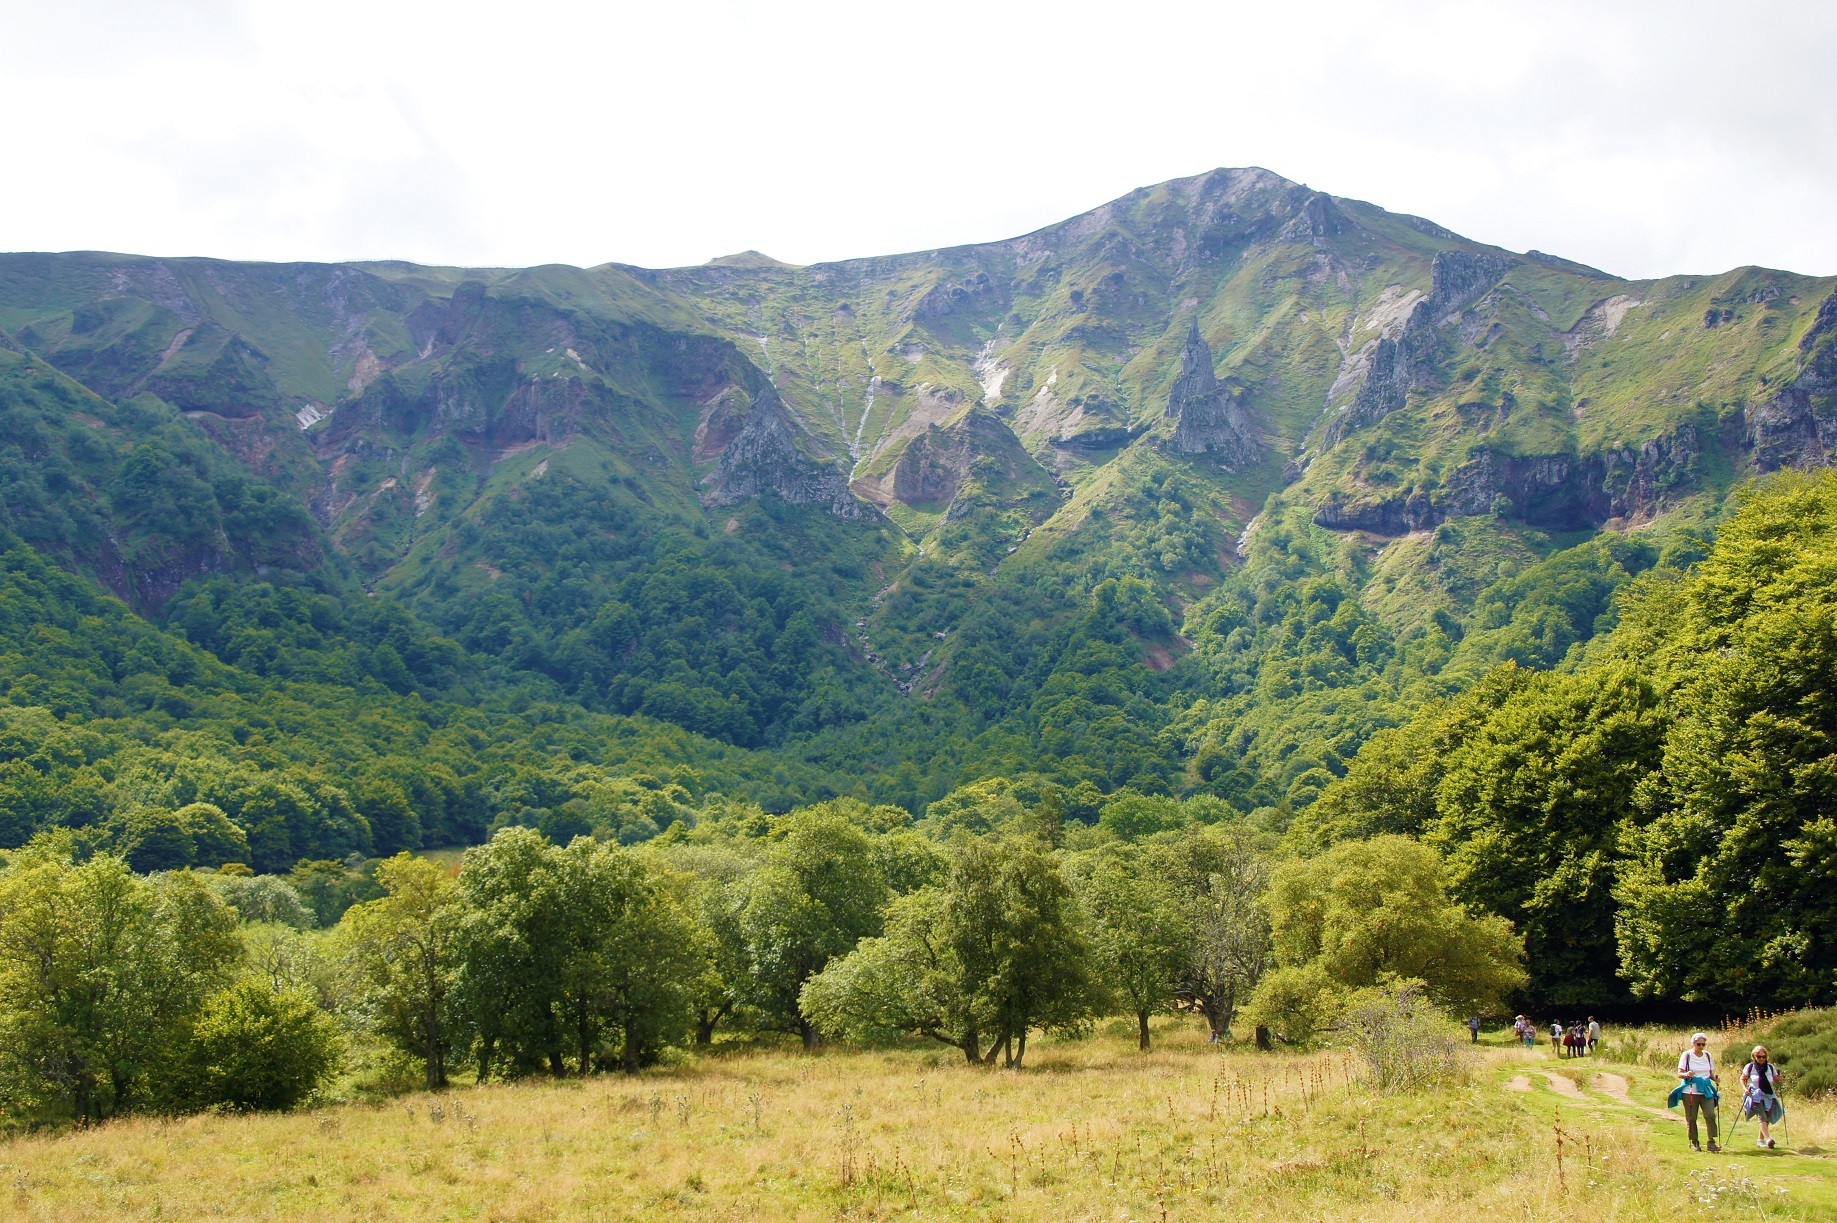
(1616, 1087)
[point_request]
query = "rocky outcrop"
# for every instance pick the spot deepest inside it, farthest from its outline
(974, 294)
(1458, 278)
(765, 457)
(936, 465)
(1209, 418)
(932, 467)
(434, 323)
(1406, 362)
(1798, 426)
(1559, 492)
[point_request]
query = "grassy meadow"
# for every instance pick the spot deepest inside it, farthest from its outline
(1093, 1131)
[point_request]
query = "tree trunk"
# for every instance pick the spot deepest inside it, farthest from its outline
(972, 1048)
(436, 1069)
(1020, 1049)
(487, 1050)
(1002, 1048)
(630, 1057)
(706, 1021)
(1141, 1030)
(807, 1030)
(82, 1091)
(1263, 1039)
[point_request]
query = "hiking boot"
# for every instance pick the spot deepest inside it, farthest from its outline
(1696, 1146)
(1763, 1142)
(1713, 1148)
(1769, 1144)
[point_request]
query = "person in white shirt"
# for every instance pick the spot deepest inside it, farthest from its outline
(1594, 1034)
(1696, 1064)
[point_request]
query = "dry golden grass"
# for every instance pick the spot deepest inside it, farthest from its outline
(1093, 1131)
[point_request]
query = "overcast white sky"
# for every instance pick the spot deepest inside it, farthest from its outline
(1645, 138)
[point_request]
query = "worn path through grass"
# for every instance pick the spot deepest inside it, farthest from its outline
(1585, 1097)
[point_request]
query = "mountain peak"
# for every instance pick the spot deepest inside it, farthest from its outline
(748, 259)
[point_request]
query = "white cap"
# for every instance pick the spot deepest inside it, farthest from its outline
(1700, 1036)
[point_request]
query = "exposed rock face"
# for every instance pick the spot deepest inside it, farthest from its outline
(432, 323)
(975, 292)
(1798, 426)
(764, 457)
(935, 466)
(1551, 491)
(1208, 417)
(1406, 362)
(932, 467)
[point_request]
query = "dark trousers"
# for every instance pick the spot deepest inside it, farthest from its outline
(1692, 1104)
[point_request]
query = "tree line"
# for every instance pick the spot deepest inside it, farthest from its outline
(190, 989)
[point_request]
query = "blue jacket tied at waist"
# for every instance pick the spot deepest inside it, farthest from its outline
(1704, 1088)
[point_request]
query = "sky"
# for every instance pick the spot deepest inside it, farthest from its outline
(1643, 138)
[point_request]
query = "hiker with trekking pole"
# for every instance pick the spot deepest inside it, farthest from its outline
(1697, 1089)
(1760, 1097)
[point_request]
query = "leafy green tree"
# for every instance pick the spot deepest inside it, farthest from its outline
(1218, 876)
(910, 980)
(1138, 929)
(197, 834)
(991, 954)
(263, 899)
(258, 1047)
(1393, 784)
(1726, 896)
(579, 952)
(101, 975)
(636, 958)
(1531, 812)
(329, 888)
(404, 948)
(704, 879)
(818, 892)
(1377, 910)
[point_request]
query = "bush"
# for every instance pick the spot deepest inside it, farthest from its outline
(1803, 1044)
(1405, 1040)
(259, 1047)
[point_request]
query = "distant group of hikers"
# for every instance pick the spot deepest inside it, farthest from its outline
(1566, 1040)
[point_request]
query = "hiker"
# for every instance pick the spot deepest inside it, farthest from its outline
(1527, 1032)
(1760, 1098)
(1473, 1029)
(1697, 1089)
(1594, 1035)
(1556, 1037)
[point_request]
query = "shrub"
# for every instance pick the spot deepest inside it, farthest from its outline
(259, 1047)
(1803, 1044)
(1405, 1040)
